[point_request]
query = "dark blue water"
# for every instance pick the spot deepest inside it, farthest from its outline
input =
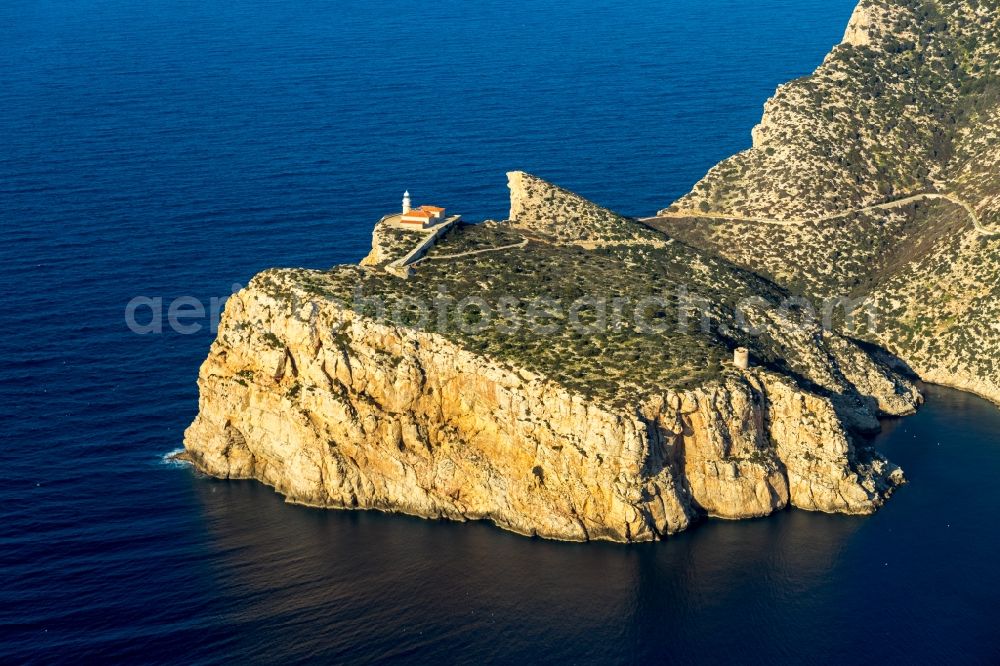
(173, 149)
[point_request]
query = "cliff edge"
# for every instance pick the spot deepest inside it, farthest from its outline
(334, 388)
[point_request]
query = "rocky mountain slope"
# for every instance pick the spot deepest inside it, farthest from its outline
(878, 178)
(338, 390)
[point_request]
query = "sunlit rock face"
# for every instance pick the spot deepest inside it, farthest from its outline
(878, 177)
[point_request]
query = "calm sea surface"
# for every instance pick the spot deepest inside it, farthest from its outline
(170, 149)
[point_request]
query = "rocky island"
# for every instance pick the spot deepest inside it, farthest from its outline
(566, 372)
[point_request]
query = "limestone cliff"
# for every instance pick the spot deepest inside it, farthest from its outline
(621, 432)
(857, 33)
(334, 409)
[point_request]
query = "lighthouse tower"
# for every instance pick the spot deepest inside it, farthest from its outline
(406, 202)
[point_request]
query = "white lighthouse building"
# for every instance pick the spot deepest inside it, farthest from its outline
(423, 217)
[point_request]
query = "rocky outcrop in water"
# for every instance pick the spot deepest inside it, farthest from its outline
(336, 410)
(627, 428)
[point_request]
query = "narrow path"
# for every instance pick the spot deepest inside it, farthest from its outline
(791, 222)
(469, 253)
(593, 245)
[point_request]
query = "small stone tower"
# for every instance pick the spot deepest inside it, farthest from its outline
(406, 202)
(741, 358)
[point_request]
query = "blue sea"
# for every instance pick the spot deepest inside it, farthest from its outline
(169, 149)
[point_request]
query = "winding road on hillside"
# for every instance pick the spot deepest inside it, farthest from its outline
(791, 222)
(469, 253)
